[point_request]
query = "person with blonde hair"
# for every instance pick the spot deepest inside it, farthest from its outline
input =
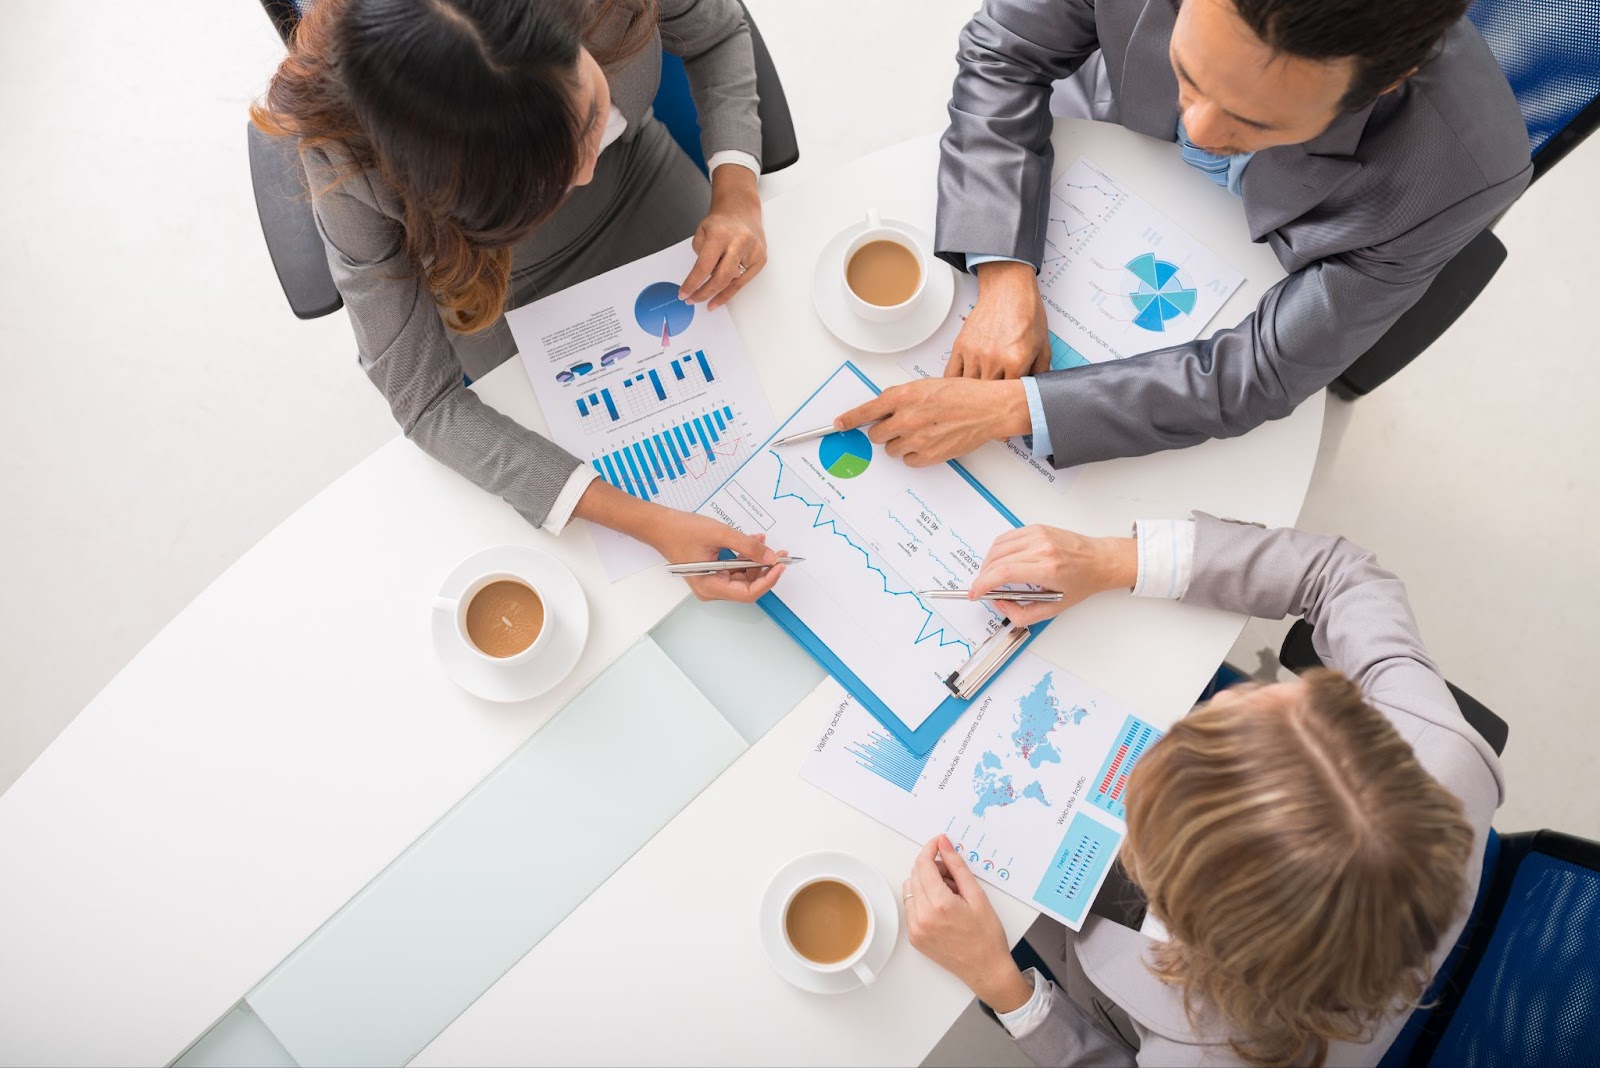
(1311, 847)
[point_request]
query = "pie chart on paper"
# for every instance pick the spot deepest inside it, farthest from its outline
(660, 313)
(845, 454)
(1160, 295)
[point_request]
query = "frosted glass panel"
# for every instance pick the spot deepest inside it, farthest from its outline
(746, 664)
(239, 1040)
(442, 923)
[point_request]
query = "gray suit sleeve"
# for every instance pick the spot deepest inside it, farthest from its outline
(1068, 1037)
(405, 350)
(1305, 331)
(994, 160)
(1361, 618)
(713, 40)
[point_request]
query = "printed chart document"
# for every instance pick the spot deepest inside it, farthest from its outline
(1118, 278)
(1029, 784)
(655, 394)
(873, 533)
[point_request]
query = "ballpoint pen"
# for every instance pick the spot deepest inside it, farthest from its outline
(715, 567)
(1014, 596)
(812, 435)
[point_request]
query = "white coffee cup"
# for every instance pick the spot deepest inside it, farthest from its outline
(877, 230)
(458, 606)
(856, 961)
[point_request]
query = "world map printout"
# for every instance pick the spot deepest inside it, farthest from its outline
(1029, 784)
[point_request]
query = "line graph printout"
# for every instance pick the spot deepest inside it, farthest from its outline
(1028, 783)
(1120, 278)
(873, 533)
(656, 395)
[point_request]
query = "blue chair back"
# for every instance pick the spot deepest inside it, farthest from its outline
(1550, 51)
(1522, 986)
(1535, 996)
(675, 108)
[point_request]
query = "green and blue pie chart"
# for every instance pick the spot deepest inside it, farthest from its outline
(845, 454)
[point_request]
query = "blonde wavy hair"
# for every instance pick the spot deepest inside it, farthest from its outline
(1304, 863)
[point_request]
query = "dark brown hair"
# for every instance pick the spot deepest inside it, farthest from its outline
(1386, 38)
(464, 108)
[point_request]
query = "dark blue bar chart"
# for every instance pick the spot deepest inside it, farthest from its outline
(645, 393)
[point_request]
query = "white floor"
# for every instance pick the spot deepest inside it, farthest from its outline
(164, 410)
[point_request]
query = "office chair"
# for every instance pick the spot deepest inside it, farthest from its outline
(1298, 654)
(1522, 985)
(284, 209)
(1550, 51)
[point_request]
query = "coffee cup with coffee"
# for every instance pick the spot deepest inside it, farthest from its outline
(884, 272)
(500, 617)
(828, 926)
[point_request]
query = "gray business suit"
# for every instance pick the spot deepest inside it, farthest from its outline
(646, 195)
(1362, 217)
(1365, 629)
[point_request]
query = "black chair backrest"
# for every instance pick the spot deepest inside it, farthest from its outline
(1299, 654)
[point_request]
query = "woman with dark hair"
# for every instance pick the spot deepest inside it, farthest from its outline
(466, 156)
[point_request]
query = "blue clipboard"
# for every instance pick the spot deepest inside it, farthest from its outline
(923, 738)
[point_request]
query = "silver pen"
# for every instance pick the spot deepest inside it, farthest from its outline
(1015, 596)
(812, 435)
(716, 567)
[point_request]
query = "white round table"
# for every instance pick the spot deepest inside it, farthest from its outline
(290, 734)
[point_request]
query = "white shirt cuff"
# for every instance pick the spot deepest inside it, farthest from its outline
(1021, 1022)
(733, 155)
(567, 500)
(1166, 557)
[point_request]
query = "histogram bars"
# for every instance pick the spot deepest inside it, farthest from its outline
(887, 758)
(693, 358)
(599, 400)
(652, 377)
(1135, 737)
(595, 401)
(645, 467)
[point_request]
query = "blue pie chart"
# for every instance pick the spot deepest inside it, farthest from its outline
(845, 454)
(660, 313)
(1160, 294)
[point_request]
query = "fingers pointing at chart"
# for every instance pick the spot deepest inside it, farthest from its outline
(937, 419)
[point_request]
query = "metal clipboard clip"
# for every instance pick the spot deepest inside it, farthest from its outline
(986, 662)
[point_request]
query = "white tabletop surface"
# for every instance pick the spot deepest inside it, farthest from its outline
(290, 733)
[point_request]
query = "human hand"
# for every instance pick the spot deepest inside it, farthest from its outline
(936, 419)
(1059, 560)
(731, 245)
(952, 923)
(685, 536)
(1005, 335)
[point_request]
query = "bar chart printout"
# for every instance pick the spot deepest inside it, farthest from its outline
(677, 461)
(1012, 784)
(656, 396)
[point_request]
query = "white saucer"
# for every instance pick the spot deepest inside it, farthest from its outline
(885, 914)
(567, 615)
(827, 293)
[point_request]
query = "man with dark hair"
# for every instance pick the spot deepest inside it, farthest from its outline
(1370, 141)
